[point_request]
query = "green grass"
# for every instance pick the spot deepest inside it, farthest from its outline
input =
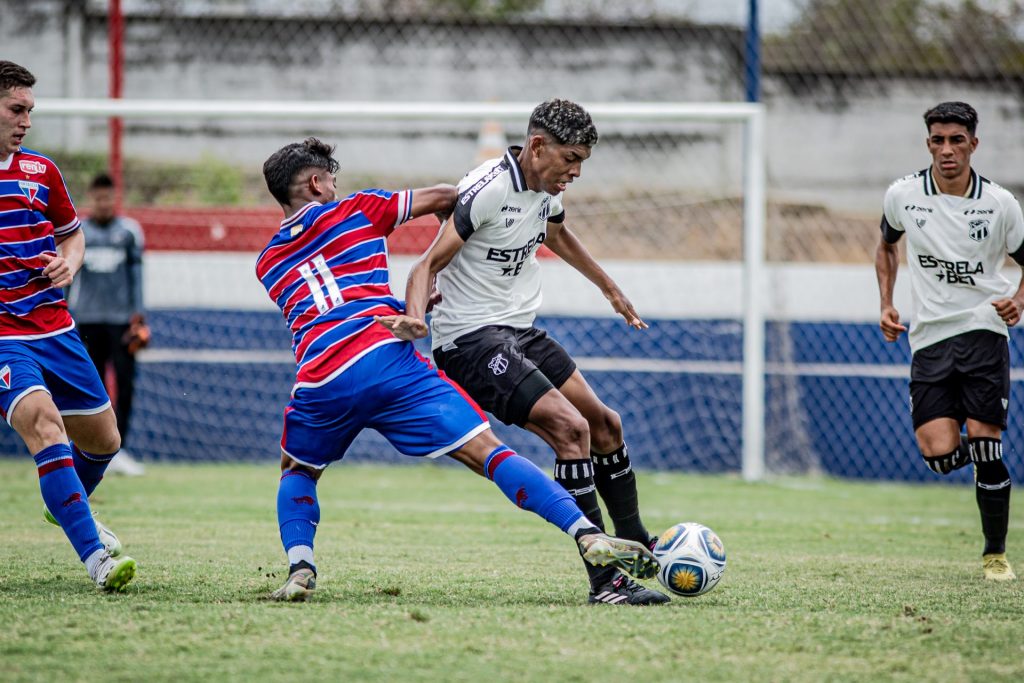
(428, 574)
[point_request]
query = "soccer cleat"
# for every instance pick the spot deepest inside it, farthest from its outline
(126, 465)
(997, 567)
(107, 537)
(299, 586)
(622, 590)
(114, 574)
(629, 556)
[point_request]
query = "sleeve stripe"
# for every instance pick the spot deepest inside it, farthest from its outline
(70, 227)
(404, 211)
(890, 234)
(1018, 255)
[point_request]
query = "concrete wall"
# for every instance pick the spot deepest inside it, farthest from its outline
(833, 143)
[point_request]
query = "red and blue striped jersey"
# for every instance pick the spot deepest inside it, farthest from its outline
(327, 270)
(35, 211)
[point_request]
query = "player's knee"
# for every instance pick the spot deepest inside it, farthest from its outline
(606, 431)
(575, 433)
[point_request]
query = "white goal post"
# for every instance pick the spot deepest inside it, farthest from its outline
(750, 115)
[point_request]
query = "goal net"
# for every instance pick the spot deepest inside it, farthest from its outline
(672, 204)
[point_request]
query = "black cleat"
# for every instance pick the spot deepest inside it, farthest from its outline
(622, 590)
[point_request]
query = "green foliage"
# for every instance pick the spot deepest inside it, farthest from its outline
(961, 38)
(486, 9)
(426, 573)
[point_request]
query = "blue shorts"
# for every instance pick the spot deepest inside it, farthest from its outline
(393, 390)
(58, 365)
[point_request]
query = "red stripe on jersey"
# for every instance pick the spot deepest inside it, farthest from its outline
(13, 264)
(336, 356)
(55, 465)
(365, 292)
(28, 289)
(372, 262)
(318, 331)
(45, 319)
(381, 212)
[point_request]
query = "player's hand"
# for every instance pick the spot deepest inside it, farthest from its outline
(1009, 310)
(624, 307)
(890, 324)
(57, 269)
(404, 327)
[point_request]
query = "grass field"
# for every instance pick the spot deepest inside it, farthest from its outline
(428, 574)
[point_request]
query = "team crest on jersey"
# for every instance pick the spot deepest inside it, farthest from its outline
(5, 377)
(28, 189)
(498, 364)
(920, 222)
(978, 229)
(509, 222)
(545, 209)
(31, 166)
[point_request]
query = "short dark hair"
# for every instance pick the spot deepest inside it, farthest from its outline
(101, 181)
(14, 76)
(567, 122)
(283, 165)
(953, 112)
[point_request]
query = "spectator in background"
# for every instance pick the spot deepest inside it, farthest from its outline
(106, 301)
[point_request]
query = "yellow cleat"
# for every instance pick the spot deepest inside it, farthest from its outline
(997, 567)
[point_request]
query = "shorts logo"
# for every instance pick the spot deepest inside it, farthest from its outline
(29, 166)
(5, 377)
(979, 229)
(498, 364)
(1006, 403)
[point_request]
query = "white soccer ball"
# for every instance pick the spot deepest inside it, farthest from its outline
(692, 559)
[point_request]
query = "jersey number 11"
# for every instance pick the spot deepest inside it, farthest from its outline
(317, 289)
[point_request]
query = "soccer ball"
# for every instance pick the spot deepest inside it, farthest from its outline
(692, 559)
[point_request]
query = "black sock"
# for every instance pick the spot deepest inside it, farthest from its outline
(615, 481)
(992, 489)
(577, 477)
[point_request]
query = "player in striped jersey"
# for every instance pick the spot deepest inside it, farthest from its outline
(49, 388)
(959, 229)
(327, 270)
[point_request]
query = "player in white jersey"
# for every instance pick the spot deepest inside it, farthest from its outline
(959, 228)
(484, 337)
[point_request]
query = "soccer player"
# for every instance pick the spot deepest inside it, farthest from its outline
(49, 389)
(959, 228)
(327, 270)
(106, 302)
(484, 337)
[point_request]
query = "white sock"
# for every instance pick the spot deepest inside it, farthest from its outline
(300, 553)
(92, 563)
(581, 523)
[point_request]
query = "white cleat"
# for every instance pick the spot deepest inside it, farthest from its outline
(299, 586)
(113, 574)
(126, 465)
(107, 537)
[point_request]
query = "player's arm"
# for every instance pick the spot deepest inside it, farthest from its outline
(439, 200)
(1010, 309)
(61, 268)
(887, 263)
(413, 324)
(561, 240)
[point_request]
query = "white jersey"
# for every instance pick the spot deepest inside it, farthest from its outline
(956, 247)
(494, 279)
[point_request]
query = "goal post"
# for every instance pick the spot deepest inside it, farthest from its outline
(643, 120)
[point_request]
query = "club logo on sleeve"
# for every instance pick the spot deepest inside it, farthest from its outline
(978, 229)
(31, 166)
(498, 364)
(5, 377)
(28, 189)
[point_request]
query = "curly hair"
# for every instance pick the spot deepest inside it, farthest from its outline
(14, 76)
(953, 112)
(567, 122)
(283, 165)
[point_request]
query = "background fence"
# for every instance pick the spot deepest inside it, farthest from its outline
(844, 83)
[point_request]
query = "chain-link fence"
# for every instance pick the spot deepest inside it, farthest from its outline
(844, 83)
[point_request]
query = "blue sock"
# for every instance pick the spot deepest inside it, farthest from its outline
(298, 513)
(66, 499)
(527, 486)
(90, 467)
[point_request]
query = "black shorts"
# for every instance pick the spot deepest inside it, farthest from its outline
(506, 370)
(966, 376)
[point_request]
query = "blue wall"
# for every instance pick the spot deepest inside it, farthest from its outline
(839, 424)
